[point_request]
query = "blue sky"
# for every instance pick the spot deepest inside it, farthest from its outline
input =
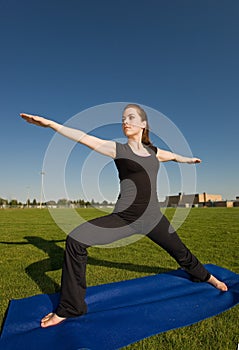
(59, 58)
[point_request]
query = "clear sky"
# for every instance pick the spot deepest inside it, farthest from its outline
(61, 57)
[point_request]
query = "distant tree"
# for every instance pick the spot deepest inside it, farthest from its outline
(51, 202)
(13, 203)
(34, 202)
(63, 202)
(80, 202)
(3, 201)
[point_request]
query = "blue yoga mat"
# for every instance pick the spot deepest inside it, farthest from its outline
(120, 313)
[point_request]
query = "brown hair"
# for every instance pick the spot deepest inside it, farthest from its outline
(143, 115)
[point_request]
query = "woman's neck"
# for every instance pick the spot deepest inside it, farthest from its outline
(136, 144)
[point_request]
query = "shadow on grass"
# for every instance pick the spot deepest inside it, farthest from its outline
(37, 271)
(127, 266)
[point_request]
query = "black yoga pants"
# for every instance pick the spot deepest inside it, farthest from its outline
(107, 229)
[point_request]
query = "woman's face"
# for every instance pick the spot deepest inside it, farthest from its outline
(132, 123)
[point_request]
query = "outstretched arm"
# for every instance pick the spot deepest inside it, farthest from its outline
(165, 156)
(108, 148)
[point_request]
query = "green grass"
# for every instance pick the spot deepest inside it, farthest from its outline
(32, 252)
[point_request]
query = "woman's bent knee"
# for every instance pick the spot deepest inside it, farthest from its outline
(75, 246)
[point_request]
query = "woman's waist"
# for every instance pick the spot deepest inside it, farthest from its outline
(137, 204)
(136, 211)
(139, 198)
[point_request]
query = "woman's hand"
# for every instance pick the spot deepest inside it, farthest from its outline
(34, 119)
(195, 160)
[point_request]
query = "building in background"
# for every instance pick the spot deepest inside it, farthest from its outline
(198, 200)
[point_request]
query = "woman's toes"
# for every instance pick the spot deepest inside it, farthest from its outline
(217, 284)
(51, 320)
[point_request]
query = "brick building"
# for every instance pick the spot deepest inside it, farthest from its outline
(188, 200)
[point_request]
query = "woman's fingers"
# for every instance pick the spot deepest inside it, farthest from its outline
(25, 115)
(196, 160)
(33, 119)
(28, 117)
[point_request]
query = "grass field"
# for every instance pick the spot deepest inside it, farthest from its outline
(31, 253)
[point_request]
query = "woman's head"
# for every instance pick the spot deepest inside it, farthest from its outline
(143, 118)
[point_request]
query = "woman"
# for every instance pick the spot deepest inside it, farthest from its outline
(136, 211)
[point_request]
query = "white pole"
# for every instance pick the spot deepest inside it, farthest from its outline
(42, 175)
(28, 196)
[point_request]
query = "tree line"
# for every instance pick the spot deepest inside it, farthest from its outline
(63, 202)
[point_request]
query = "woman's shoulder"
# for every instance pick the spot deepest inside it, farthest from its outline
(121, 149)
(120, 146)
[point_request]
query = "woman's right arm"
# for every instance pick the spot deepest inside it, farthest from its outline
(105, 147)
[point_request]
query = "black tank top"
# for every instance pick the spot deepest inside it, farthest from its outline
(138, 181)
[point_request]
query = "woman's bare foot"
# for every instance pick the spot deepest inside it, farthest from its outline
(218, 284)
(51, 320)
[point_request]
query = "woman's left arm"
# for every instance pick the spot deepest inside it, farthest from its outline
(166, 156)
